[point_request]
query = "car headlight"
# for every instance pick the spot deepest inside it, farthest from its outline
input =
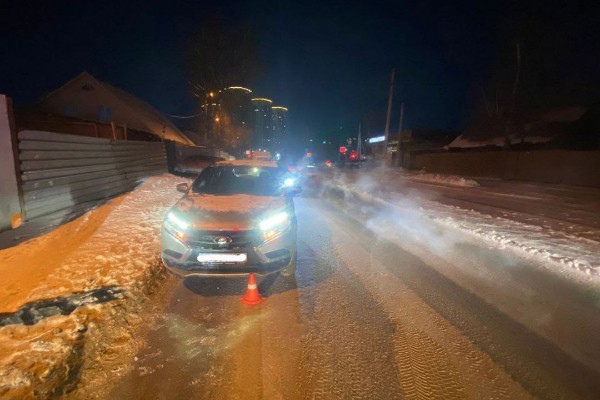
(176, 225)
(289, 182)
(274, 225)
(177, 221)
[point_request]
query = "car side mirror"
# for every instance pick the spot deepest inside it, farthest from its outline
(183, 187)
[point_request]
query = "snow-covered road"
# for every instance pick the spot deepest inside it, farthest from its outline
(369, 315)
(415, 292)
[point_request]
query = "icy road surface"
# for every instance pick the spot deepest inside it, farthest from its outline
(368, 316)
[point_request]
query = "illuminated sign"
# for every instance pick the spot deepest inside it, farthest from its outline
(377, 139)
(343, 149)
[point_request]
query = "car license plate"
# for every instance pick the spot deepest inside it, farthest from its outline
(222, 257)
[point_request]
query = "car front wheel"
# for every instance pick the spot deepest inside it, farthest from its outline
(290, 270)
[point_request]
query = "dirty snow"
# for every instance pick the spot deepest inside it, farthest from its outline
(451, 180)
(417, 176)
(119, 250)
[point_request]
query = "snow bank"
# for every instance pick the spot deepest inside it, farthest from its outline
(497, 141)
(122, 251)
(388, 176)
(451, 180)
(561, 252)
(569, 251)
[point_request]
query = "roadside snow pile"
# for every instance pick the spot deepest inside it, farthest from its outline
(574, 252)
(112, 249)
(410, 214)
(451, 180)
(422, 176)
(118, 251)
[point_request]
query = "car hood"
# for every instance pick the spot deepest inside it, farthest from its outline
(241, 211)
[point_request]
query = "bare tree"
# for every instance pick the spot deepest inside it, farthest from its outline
(498, 114)
(222, 54)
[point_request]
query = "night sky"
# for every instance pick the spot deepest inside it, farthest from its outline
(329, 62)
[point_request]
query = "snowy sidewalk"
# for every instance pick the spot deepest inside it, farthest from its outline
(554, 223)
(53, 286)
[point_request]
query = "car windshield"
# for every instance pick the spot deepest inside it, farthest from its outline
(231, 180)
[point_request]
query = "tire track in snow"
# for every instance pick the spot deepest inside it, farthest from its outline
(434, 359)
(425, 371)
(348, 347)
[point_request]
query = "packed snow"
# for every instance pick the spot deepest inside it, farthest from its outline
(113, 246)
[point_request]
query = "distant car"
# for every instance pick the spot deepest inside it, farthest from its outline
(353, 159)
(237, 217)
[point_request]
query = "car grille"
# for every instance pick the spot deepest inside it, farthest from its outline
(237, 240)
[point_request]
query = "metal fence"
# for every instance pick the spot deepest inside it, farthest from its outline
(63, 175)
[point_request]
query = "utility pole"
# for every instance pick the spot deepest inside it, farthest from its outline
(400, 132)
(389, 114)
(359, 142)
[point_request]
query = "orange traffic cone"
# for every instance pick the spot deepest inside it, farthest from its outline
(252, 296)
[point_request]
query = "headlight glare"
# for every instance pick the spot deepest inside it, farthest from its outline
(279, 220)
(177, 221)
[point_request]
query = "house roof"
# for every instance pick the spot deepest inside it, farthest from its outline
(532, 127)
(142, 116)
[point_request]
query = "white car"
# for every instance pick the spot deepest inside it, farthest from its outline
(237, 217)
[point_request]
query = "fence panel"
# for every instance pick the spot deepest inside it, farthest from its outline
(64, 175)
(549, 166)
